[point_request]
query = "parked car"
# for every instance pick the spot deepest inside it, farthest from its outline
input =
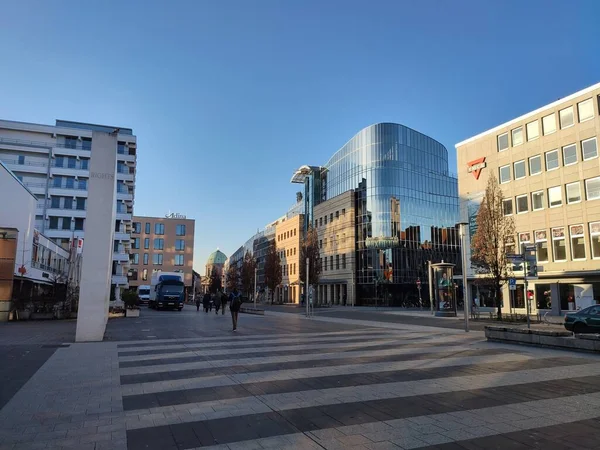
(586, 320)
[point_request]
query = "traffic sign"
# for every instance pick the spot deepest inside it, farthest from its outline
(512, 284)
(514, 256)
(530, 248)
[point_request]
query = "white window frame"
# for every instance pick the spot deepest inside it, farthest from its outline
(561, 200)
(557, 160)
(579, 234)
(529, 137)
(540, 237)
(512, 136)
(500, 174)
(515, 170)
(594, 228)
(498, 142)
(561, 238)
(582, 151)
(544, 132)
(576, 183)
(506, 200)
(531, 173)
(585, 102)
(533, 203)
(575, 152)
(517, 203)
(587, 197)
(560, 119)
(524, 238)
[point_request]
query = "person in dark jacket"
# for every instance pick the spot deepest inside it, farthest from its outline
(234, 307)
(217, 301)
(223, 302)
(198, 303)
(206, 302)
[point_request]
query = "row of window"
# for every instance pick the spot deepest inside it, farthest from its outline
(159, 243)
(572, 191)
(159, 228)
(157, 259)
(61, 182)
(558, 239)
(288, 269)
(589, 150)
(288, 234)
(68, 203)
(323, 242)
(66, 223)
(337, 262)
(585, 111)
(287, 252)
(323, 220)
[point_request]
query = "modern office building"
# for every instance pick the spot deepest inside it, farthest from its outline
(161, 244)
(52, 162)
(548, 168)
(405, 209)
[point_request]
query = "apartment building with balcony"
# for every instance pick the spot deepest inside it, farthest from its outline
(52, 162)
(161, 244)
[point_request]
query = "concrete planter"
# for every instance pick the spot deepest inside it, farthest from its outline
(42, 316)
(132, 313)
(544, 338)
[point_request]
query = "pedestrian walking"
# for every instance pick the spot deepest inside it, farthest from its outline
(217, 300)
(198, 303)
(206, 302)
(223, 302)
(234, 307)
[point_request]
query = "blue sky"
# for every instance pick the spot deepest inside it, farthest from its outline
(227, 98)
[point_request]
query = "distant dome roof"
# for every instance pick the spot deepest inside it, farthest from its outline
(217, 257)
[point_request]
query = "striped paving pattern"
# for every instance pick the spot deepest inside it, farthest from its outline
(367, 389)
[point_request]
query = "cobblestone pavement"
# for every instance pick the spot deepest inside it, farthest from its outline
(172, 380)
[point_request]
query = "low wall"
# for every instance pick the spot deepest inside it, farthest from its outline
(543, 338)
(252, 310)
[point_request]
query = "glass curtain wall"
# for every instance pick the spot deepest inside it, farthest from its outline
(404, 195)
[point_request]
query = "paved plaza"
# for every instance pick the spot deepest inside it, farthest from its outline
(184, 380)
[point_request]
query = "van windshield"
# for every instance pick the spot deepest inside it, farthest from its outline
(144, 292)
(171, 289)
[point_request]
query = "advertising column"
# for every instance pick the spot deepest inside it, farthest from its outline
(96, 268)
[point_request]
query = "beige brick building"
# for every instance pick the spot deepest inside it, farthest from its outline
(547, 165)
(334, 221)
(288, 239)
(161, 244)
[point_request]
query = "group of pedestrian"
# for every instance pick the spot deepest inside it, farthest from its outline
(219, 301)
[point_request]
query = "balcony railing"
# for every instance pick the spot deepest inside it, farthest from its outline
(76, 187)
(24, 163)
(79, 165)
(34, 185)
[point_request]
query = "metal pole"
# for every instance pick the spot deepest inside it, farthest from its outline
(466, 300)
(306, 286)
(525, 293)
(255, 286)
(430, 286)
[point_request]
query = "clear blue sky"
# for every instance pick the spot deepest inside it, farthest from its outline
(227, 98)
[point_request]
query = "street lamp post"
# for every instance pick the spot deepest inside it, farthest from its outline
(255, 285)
(463, 248)
(306, 299)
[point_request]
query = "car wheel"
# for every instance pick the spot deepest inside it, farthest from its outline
(578, 328)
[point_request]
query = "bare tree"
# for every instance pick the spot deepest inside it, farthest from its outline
(273, 273)
(215, 284)
(494, 232)
(232, 277)
(247, 275)
(310, 249)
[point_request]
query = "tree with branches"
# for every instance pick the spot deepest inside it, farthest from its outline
(247, 275)
(232, 277)
(273, 272)
(215, 284)
(310, 249)
(494, 232)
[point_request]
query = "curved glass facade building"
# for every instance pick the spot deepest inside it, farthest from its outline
(406, 207)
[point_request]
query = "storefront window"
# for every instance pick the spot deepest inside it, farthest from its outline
(543, 296)
(517, 297)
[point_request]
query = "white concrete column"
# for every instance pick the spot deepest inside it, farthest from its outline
(96, 268)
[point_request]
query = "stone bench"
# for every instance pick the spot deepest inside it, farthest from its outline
(544, 338)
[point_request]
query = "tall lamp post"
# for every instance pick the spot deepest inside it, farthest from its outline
(255, 286)
(463, 251)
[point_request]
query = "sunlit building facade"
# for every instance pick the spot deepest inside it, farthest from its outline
(406, 208)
